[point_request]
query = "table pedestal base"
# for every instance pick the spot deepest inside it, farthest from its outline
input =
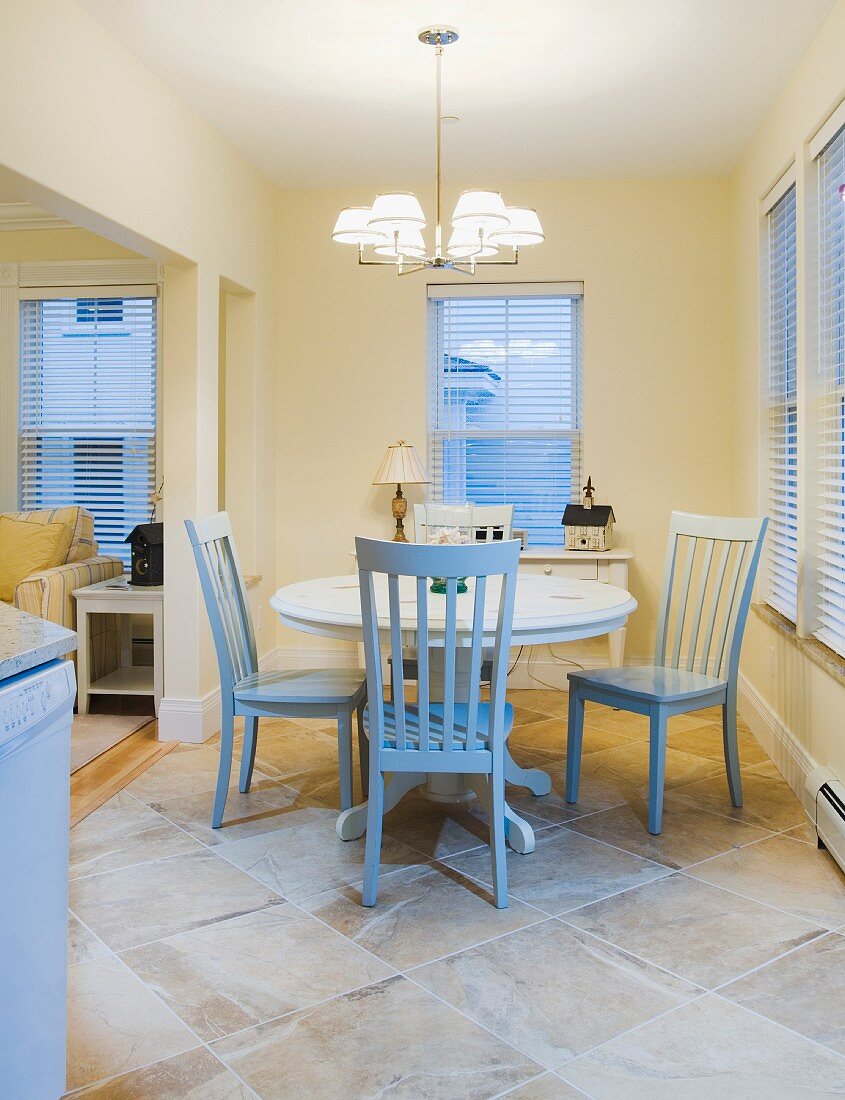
(461, 789)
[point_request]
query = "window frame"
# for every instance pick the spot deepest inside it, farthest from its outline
(570, 289)
(75, 279)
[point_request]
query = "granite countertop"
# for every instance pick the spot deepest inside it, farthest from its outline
(26, 641)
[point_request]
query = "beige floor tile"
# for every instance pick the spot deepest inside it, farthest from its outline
(704, 1050)
(688, 834)
(549, 736)
(187, 770)
(121, 833)
(704, 934)
(82, 945)
(385, 1040)
(294, 749)
(266, 806)
(785, 874)
(134, 905)
(307, 857)
(546, 1087)
(594, 793)
(636, 725)
(437, 829)
(565, 870)
(544, 700)
(422, 913)
(197, 1075)
(805, 833)
(627, 767)
(242, 972)
(323, 785)
(116, 1024)
(802, 990)
(551, 991)
(707, 741)
(768, 800)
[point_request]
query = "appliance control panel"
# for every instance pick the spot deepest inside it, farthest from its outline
(27, 699)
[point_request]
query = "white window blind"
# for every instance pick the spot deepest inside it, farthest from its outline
(88, 409)
(504, 404)
(782, 588)
(831, 402)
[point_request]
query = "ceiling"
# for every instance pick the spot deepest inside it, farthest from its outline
(321, 93)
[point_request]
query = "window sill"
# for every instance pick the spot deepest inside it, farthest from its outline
(816, 651)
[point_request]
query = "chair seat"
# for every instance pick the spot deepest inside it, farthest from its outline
(304, 685)
(651, 683)
(412, 724)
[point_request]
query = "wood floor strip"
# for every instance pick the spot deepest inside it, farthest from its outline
(103, 777)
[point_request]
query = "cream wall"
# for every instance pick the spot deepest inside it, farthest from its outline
(791, 700)
(42, 245)
(654, 258)
(167, 185)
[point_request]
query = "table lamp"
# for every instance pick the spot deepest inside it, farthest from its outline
(400, 464)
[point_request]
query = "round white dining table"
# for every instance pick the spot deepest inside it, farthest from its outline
(546, 610)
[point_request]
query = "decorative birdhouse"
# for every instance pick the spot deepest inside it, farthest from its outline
(147, 542)
(588, 526)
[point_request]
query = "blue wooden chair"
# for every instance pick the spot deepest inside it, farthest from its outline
(303, 693)
(697, 650)
(448, 729)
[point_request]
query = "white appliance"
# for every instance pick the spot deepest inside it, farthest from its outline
(36, 712)
(827, 797)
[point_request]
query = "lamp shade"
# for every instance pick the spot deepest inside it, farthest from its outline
(400, 466)
(409, 243)
(352, 227)
(480, 210)
(464, 245)
(524, 228)
(397, 210)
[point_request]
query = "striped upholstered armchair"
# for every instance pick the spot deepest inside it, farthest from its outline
(48, 594)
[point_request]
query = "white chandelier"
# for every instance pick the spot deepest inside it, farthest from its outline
(481, 223)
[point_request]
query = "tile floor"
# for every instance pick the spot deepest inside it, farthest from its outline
(239, 963)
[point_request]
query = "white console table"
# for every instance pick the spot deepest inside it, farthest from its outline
(118, 597)
(606, 566)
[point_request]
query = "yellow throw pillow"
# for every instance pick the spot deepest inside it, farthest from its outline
(27, 548)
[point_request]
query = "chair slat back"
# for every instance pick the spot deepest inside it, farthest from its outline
(225, 597)
(703, 609)
(491, 522)
(460, 626)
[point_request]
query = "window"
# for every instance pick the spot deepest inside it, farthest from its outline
(782, 588)
(830, 426)
(88, 410)
(504, 417)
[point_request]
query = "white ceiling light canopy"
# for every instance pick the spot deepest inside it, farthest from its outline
(353, 227)
(524, 228)
(481, 221)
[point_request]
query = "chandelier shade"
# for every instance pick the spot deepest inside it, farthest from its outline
(405, 242)
(352, 227)
(480, 210)
(524, 228)
(396, 211)
(482, 224)
(464, 244)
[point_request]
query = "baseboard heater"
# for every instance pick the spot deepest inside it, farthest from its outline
(827, 796)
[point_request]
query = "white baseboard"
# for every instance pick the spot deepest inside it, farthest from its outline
(790, 757)
(196, 720)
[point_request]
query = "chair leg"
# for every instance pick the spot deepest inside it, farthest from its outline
(224, 774)
(574, 739)
(497, 838)
(731, 747)
(344, 755)
(372, 850)
(363, 749)
(656, 768)
(248, 753)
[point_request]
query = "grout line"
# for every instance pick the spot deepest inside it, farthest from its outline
(823, 935)
(783, 1027)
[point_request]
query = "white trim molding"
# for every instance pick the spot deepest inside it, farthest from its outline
(789, 756)
(16, 217)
